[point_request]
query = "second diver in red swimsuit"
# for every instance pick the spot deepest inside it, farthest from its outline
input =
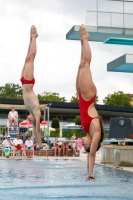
(92, 123)
(27, 78)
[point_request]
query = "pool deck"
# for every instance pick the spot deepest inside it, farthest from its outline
(82, 156)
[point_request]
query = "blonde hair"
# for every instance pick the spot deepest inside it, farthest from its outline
(102, 128)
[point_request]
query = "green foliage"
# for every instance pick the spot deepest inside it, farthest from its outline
(77, 120)
(11, 91)
(19, 121)
(55, 123)
(55, 133)
(51, 96)
(67, 133)
(96, 100)
(74, 99)
(118, 99)
(106, 135)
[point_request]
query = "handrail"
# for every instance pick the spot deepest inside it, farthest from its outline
(110, 12)
(111, 21)
(118, 140)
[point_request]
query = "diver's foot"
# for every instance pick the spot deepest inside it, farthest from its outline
(90, 178)
(33, 31)
(83, 33)
(39, 147)
(118, 167)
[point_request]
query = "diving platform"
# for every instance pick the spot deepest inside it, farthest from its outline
(121, 64)
(101, 33)
(119, 41)
(103, 25)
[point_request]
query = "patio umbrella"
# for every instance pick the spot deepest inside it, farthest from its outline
(25, 124)
(70, 125)
(46, 127)
(43, 123)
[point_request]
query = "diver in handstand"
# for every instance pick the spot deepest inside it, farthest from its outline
(91, 122)
(27, 78)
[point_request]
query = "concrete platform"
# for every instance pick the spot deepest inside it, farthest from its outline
(117, 155)
(119, 41)
(121, 64)
(100, 33)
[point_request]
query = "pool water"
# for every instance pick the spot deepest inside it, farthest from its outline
(62, 179)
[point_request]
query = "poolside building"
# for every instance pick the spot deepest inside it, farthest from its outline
(64, 111)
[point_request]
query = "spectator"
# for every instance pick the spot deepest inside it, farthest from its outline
(65, 148)
(18, 145)
(29, 146)
(74, 145)
(13, 117)
(7, 144)
(74, 136)
(57, 147)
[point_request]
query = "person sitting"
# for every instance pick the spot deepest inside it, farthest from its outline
(18, 146)
(65, 148)
(29, 146)
(13, 117)
(74, 146)
(7, 144)
(57, 146)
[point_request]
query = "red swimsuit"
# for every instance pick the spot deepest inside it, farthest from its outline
(24, 81)
(85, 118)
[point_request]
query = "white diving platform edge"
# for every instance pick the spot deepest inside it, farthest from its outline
(100, 33)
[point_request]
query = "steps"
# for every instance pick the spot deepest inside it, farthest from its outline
(12, 132)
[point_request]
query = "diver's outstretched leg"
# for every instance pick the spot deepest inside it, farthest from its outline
(86, 85)
(29, 63)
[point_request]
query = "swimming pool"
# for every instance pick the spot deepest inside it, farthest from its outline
(61, 179)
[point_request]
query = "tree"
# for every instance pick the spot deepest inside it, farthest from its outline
(51, 96)
(11, 91)
(77, 120)
(74, 99)
(96, 100)
(118, 99)
(55, 123)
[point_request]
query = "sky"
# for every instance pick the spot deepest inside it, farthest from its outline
(57, 59)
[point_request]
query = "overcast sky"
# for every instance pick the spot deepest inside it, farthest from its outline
(57, 59)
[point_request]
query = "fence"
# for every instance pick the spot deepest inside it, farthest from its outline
(109, 19)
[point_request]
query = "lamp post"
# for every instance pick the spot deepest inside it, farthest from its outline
(46, 108)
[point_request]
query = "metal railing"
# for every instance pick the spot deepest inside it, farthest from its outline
(109, 19)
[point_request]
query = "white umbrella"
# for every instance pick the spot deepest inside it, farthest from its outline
(50, 128)
(42, 127)
(70, 125)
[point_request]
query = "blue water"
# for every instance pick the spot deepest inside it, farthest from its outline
(62, 179)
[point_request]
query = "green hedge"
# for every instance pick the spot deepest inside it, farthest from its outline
(67, 133)
(105, 135)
